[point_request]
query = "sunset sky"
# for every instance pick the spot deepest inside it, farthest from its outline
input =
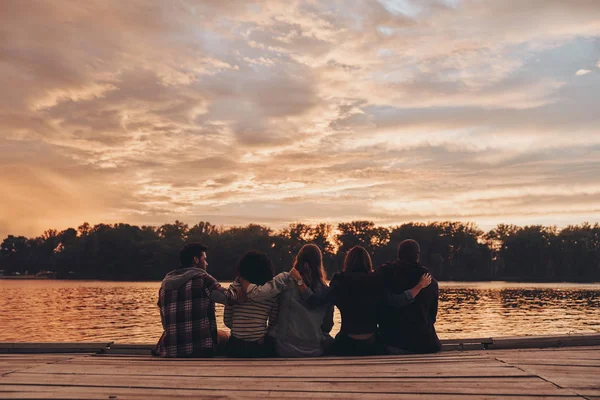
(273, 112)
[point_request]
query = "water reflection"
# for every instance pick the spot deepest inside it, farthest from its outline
(127, 312)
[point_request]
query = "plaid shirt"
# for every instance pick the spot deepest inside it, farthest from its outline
(188, 318)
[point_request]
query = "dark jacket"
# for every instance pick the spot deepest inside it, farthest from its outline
(356, 302)
(412, 327)
(357, 295)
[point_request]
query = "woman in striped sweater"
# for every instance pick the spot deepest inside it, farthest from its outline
(248, 320)
(300, 331)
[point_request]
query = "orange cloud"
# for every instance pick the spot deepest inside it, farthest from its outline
(269, 111)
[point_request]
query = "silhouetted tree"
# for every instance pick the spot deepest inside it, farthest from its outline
(452, 250)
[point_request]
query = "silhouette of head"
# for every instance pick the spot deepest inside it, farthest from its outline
(193, 255)
(358, 260)
(409, 250)
(255, 267)
(309, 262)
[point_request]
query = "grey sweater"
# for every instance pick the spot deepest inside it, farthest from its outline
(298, 325)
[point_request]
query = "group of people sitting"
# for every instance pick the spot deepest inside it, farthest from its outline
(390, 310)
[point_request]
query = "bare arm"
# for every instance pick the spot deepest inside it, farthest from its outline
(423, 283)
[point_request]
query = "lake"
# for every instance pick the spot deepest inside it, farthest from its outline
(126, 312)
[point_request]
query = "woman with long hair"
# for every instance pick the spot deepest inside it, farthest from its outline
(357, 294)
(301, 331)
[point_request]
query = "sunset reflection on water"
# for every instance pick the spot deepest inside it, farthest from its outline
(54, 311)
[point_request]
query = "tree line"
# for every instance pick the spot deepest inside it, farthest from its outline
(451, 250)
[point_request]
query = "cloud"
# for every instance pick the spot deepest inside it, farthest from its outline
(581, 72)
(269, 111)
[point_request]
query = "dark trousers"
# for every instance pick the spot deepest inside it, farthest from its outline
(344, 345)
(239, 348)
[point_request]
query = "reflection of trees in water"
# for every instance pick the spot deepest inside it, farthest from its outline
(517, 311)
(560, 298)
(127, 312)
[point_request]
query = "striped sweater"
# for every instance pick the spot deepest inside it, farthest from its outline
(248, 320)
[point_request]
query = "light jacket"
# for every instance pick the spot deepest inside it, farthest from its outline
(297, 324)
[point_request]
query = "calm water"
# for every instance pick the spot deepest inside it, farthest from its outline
(53, 311)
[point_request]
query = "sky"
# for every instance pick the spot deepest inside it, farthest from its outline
(272, 112)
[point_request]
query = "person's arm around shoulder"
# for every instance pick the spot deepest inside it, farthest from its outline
(268, 290)
(408, 296)
(312, 299)
(228, 312)
(219, 294)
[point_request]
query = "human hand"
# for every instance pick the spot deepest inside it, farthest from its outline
(425, 280)
(295, 274)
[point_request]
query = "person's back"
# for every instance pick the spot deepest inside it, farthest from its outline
(410, 328)
(356, 302)
(300, 331)
(357, 292)
(186, 301)
(248, 320)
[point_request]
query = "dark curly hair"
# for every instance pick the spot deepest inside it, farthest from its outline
(255, 267)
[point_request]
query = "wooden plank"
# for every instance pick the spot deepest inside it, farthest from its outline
(565, 362)
(332, 373)
(100, 393)
(109, 358)
(588, 393)
(130, 348)
(375, 384)
(476, 374)
(574, 377)
(499, 386)
(48, 345)
(90, 347)
(53, 357)
(486, 340)
(474, 368)
(209, 363)
(544, 341)
(562, 352)
(447, 355)
(4, 368)
(464, 346)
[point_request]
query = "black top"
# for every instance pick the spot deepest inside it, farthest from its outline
(358, 295)
(357, 302)
(411, 327)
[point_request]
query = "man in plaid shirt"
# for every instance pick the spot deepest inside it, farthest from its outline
(186, 300)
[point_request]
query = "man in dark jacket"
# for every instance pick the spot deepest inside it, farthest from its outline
(411, 328)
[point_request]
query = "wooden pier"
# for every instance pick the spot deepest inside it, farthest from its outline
(558, 367)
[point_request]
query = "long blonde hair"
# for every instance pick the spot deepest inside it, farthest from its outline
(309, 262)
